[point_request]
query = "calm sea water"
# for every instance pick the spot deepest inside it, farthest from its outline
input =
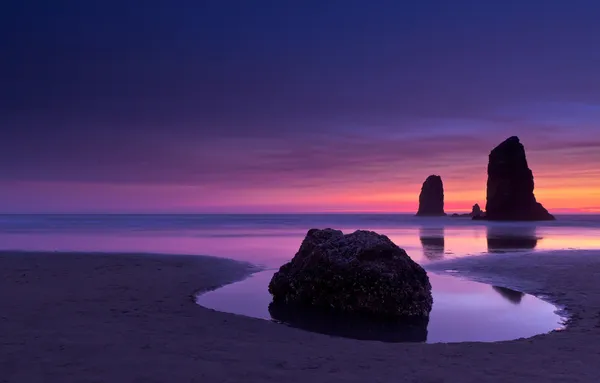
(462, 310)
(270, 240)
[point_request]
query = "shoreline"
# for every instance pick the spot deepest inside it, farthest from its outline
(251, 269)
(477, 268)
(464, 273)
(81, 317)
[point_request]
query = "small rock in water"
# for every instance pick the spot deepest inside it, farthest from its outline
(361, 273)
(476, 210)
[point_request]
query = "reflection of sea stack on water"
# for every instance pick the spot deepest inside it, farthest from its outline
(501, 238)
(431, 198)
(511, 295)
(433, 242)
(510, 186)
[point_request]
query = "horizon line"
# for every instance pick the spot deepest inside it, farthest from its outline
(573, 212)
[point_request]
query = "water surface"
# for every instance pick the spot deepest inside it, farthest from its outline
(462, 311)
(272, 239)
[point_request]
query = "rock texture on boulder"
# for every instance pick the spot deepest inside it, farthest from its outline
(431, 199)
(510, 186)
(360, 273)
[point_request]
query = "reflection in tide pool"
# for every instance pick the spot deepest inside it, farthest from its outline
(462, 311)
(513, 296)
(271, 240)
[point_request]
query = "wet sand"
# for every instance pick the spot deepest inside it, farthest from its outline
(131, 318)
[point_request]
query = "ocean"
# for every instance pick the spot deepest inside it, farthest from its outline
(271, 239)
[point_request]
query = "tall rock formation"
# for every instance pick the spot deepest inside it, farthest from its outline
(510, 186)
(431, 199)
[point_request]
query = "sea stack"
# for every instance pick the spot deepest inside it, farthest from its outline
(476, 211)
(510, 186)
(431, 199)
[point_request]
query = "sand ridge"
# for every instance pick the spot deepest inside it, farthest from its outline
(70, 317)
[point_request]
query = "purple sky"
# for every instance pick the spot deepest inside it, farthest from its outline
(339, 105)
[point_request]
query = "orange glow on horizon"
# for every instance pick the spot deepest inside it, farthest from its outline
(575, 191)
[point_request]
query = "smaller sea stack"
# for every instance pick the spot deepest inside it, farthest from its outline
(431, 199)
(476, 211)
(510, 186)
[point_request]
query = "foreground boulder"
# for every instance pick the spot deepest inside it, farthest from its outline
(431, 198)
(510, 186)
(360, 273)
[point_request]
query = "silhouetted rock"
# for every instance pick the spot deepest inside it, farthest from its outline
(511, 295)
(510, 185)
(431, 199)
(502, 239)
(361, 273)
(433, 242)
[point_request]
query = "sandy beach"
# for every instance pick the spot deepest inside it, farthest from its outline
(69, 317)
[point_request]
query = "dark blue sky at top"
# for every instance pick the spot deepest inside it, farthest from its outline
(190, 91)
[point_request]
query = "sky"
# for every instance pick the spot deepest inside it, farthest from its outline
(292, 106)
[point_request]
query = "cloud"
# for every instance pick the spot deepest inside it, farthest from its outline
(287, 159)
(238, 97)
(309, 156)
